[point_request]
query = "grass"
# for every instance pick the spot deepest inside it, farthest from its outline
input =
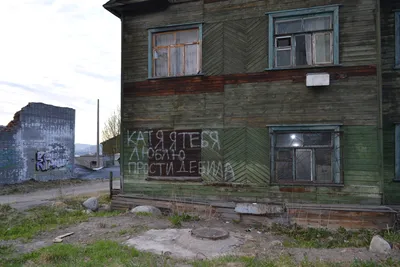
(323, 238)
(6, 251)
(109, 253)
(177, 219)
(43, 218)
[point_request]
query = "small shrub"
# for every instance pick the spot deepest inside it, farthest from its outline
(177, 219)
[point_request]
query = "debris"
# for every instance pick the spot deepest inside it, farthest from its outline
(379, 245)
(105, 207)
(91, 204)
(147, 209)
(59, 239)
(87, 211)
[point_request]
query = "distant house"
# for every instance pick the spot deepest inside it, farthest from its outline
(291, 105)
(111, 146)
(111, 151)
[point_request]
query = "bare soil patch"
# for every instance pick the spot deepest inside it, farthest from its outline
(33, 186)
(253, 242)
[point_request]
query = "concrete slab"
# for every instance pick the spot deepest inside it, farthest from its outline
(180, 243)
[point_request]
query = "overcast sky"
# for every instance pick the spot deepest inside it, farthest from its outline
(60, 52)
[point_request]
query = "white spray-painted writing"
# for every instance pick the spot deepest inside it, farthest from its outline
(171, 153)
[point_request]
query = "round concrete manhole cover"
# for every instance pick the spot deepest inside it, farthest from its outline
(210, 233)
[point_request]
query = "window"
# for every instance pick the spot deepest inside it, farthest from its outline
(175, 51)
(397, 39)
(305, 37)
(305, 154)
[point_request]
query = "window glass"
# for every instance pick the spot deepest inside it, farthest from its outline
(189, 36)
(322, 47)
(161, 62)
(164, 39)
(317, 24)
(284, 42)
(283, 58)
(285, 27)
(191, 59)
(176, 60)
(303, 50)
(323, 163)
(318, 139)
(303, 164)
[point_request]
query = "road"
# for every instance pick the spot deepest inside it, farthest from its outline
(84, 173)
(28, 200)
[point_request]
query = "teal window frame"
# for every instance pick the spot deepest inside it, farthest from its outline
(397, 40)
(175, 27)
(397, 153)
(332, 10)
(336, 166)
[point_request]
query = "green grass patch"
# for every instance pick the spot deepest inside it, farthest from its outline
(324, 238)
(6, 251)
(177, 219)
(43, 218)
(110, 253)
(100, 253)
(287, 261)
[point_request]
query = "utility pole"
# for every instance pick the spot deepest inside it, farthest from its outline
(98, 134)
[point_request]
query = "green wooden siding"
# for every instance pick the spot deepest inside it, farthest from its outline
(235, 40)
(390, 101)
(391, 187)
(247, 151)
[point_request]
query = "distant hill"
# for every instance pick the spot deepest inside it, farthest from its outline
(85, 149)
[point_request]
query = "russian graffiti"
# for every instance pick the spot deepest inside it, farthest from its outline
(53, 158)
(175, 153)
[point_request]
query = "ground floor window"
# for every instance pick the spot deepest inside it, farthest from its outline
(301, 154)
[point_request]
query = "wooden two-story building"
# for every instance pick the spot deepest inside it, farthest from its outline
(262, 107)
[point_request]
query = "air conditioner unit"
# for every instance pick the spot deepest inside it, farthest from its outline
(317, 79)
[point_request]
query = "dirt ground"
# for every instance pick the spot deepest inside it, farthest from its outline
(30, 194)
(254, 242)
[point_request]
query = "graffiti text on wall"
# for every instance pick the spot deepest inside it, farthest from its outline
(49, 160)
(175, 153)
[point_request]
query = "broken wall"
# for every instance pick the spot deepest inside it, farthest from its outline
(38, 144)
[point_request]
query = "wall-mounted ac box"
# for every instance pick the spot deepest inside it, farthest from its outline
(317, 79)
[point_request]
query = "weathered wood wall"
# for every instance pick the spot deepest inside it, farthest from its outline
(391, 99)
(237, 96)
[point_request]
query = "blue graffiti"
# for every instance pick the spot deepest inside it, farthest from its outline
(46, 161)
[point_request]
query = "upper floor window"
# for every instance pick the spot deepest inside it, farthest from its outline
(397, 39)
(175, 51)
(305, 37)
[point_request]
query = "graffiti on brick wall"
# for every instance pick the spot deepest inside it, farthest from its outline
(55, 157)
(176, 153)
